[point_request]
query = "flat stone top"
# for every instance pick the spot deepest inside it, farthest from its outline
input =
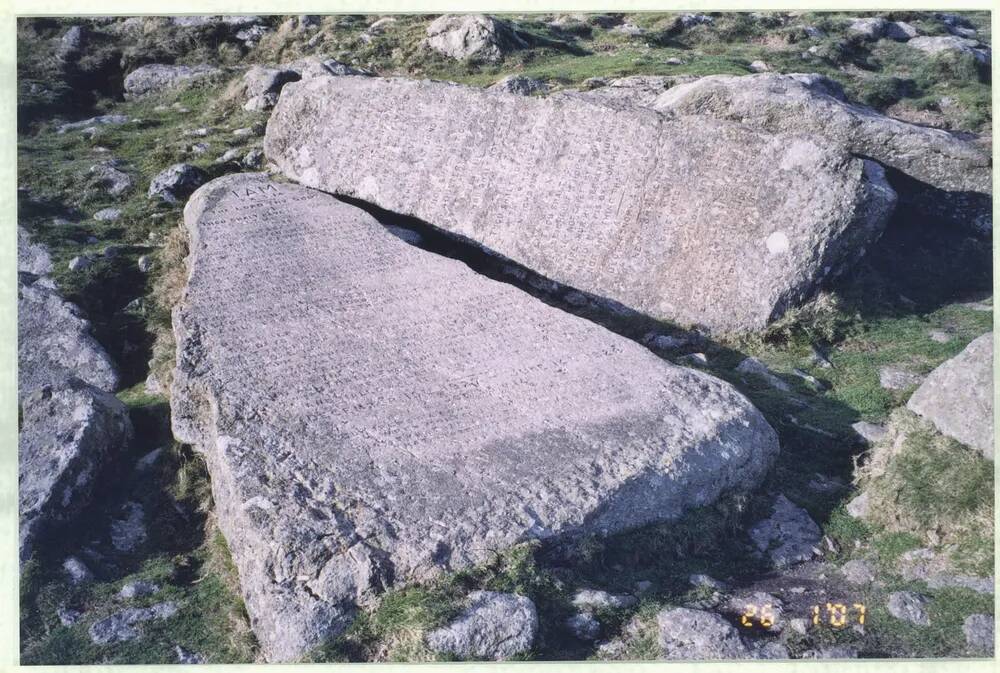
(691, 219)
(352, 392)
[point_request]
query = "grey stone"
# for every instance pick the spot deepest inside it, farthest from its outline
(80, 262)
(363, 491)
(979, 630)
(788, 536)
(900, 31)
(259, 80)
(768, 649)
(869, 432)
(55, 343)
(497, 183)
(157, 78)
(108, 214)
(684, 633)
(111, 251)
(629, 29)
(521, 85)
(595, 599)
(951, 44)
(102, 120)
(858, 506)
(229, 155)
(145, 263)
(758, 66)
(939, 336)
(185, 656)
(32, 258)
(584, 626)
(315, 66)
(982, 585)
(68, 616)
(199, 148)
(832, 652)
(243, 132)
(894, 377)
(124, 626)
(128, 532)
(254, 159)
(702, 580)
(870, 28)
(71, 43)
(692, 20)
(111, 178)
(761, 609)
(176, 182)
(957, 397)
(755, 367)
(909, 606)
(138, 589)
(473, 36)
(261, 103)
(75, 569)
(493, 626)
(810, 103)
(858, 572)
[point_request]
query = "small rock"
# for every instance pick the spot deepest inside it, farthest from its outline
(897, 378)
(176, 182)
(696, 359)
(940, 336)
(77, 571)
(978, 630)
(185, 656)
(199, 148)
(229, 155)
(243, 132)
(138, 588)
(80, 263)
(642, 586)
(520, 85)
(93, 123)
(832, 652)
(148, 460)
(755, 367)
(673, 60)
(629, 29)
(870, 28)
(109, 176)
(899, 31)
(261, 103)
(799, 625)
(112, 251)
(254, 159)
(584, 626)
(473, 35)
(870, 432)
(122, 626)
(788, 536)
(129, 532)
(108, 214)
(593, 599)
(493, 626)
(68, 616)
(696, 634)
(910, 607)
(813, 382)
(759, 66)
(858, 572)
(145, 263)
(858, 507)
(702, 580)
(612, 648)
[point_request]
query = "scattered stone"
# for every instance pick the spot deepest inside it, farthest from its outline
(148, 460)
(595, 599)
(701, 580)
(138, 589)
(953, 44)
(114, 181)
(832, 652)
(80, 262)
(870, 28)
(185, 656)
(258, 236)
(71, 43)
(145, 263)
(199, 148)
(521, 85)
(324, 145)
(858, 507)
(243, 133)
(957, 397)
(759, 608)
(254, 159)
(75, 569)
(897, 378)
(899, 31)
(978, 630)
(759, 66)
(673, 60)
(788, 536)
(629, 29)
(939, 336)
(229, 155)
(685, 633)
(493, 626)
(858, 572)
(869, 432)
(93, 122)
(156, 78)
(108, 214)
(68, 616)
(696, 359)
(129, 532)
(32, 258)
(55, 343)
(313, 66)
(473, 36)
(123, 626)
(910, 607)
(755, 367)
(176, 182)
(111, 251)
(584, 626)
(768, 649)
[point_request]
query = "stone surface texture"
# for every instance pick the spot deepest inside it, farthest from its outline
(957, 397)
(979, 630)
(493, 626)
(685, 633)
(788, 536)
(32, 258)
(157, 77)
(910, 607)
(373, 413)
(472, 36)
(66, 433)
(608, 200)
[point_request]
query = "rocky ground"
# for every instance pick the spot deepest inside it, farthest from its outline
(871, 536)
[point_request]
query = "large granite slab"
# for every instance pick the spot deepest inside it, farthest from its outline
(372, 413)
(690, 219)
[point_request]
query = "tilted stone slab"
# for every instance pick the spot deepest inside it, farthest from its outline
(690, 219)
(67, 432)
(54, 341)
(372, 413)
(957, 397)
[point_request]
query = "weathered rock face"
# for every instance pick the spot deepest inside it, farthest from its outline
(176, 182)
(31, 257)
(472, 35)
(154, 78)
(690, 634)
(519, 84)
(493, 626)
(801, 103)
(957, 397)
(688, 219)
(373, 413)
(66, 433)
(55, 343)
(951, 43)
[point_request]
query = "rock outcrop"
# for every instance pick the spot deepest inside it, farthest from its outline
(473, 36)
(493, 626)
(372, 413)
(67, 432)
(156, 78)
(688, 219)
(957, 397)
(32, 258)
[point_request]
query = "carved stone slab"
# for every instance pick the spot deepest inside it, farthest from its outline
(373, 413)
